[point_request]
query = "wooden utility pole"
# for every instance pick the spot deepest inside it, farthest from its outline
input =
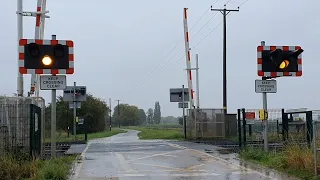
(225, 12)
(118, 113)
(110, 120)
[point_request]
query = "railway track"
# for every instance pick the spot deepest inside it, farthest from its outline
(61, 149)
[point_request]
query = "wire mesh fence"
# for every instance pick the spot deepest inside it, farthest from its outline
(163, 126)
(253, 132)
(15, 115)
(316, 141)
(205, 123)
(289, 131)
(284, 127)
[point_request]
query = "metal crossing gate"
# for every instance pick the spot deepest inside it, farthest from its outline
(282, 127)
(35, 130)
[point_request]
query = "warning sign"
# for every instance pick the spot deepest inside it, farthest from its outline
(266, 86)
(250, 115)
(49, 82)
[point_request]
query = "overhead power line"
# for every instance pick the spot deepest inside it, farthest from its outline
(181, 58)
(158, 65)
(157, 77)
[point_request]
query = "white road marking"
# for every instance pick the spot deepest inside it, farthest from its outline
(135, 148)
(173, 175)
(147, 153)
(154, 165)
(230, 164)
(169, 155)
(122, 161)
(154, 155)
(79, 164)
(134, 175)
(178, 170)
(199, 165)
(137, 152)
(177, 146)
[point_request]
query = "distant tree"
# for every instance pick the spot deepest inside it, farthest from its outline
(129, 115)
(94, 109)
(96, 112)
(169, 120)
(142, 117)
(150, 116)
(157, 113)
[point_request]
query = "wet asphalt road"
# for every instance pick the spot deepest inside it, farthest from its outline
(125, 157)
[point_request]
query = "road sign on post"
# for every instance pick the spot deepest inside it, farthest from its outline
(266, 86)
(81, 93)
(186, 105)
(38, 56)
(75, 95)
(176, 95)
(80, 120)
(49, 82)
(277, 61)
(250, 117)
(71, 105)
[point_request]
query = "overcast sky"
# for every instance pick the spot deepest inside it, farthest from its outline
(119, 42)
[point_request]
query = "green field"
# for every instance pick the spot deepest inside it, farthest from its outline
(63, 136)
(158, 132)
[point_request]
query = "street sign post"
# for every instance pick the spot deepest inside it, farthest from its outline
(80, 120)
(181, 95)
(250, 117)
(38, 56)
(176, 95)
(50, 82)
(75, 95)
(186, 105)
(71, 105)
(81, 93)
(273, 62)
(265, 86)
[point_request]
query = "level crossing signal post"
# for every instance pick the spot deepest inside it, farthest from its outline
(49, 57)
(181, 96)
(74, 95)
(273, 62)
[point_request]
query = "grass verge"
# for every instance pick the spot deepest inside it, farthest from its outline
(293, 160)
(21, 168)
(63, 136)
(158, 133)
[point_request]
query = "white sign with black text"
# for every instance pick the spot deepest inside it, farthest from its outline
(266, 86)
(50, 82)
